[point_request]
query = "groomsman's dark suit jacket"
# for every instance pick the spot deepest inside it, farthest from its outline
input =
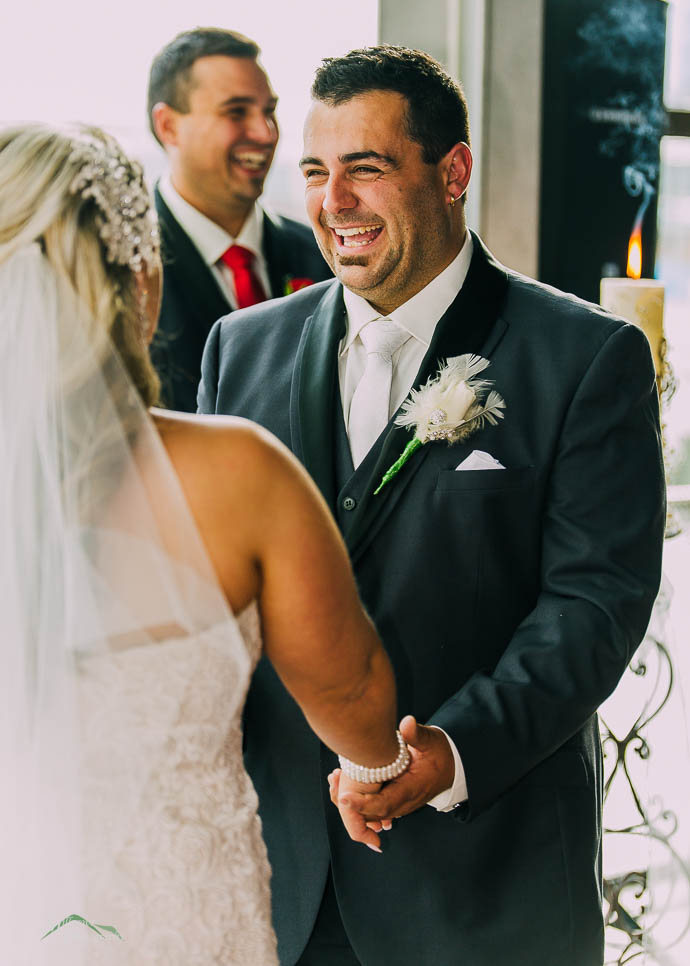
(510, 602)
(193, 299)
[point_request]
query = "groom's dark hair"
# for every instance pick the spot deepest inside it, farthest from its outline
(436, 106)
(170, 78)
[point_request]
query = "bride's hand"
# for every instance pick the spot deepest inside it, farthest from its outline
(357, 828)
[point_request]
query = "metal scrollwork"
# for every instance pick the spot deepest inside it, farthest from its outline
(667, 381)
(634, 914)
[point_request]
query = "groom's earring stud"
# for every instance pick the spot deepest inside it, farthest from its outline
(452, 201)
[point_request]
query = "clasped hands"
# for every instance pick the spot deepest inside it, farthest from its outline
(366, 809)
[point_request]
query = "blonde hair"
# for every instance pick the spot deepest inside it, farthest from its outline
(37, 170)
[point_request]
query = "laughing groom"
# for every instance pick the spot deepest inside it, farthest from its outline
(511, 574)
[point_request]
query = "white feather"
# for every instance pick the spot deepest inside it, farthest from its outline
(464, 367)
(448, 407)
(450, 399)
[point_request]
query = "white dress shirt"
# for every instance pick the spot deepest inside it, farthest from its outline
(212, 241)
(419, 316)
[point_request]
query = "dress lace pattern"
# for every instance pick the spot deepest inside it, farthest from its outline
(168, 800)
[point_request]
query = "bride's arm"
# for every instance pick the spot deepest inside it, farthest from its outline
(270, 535)
(316, 633)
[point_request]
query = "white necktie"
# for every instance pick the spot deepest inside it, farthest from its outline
(370, 406)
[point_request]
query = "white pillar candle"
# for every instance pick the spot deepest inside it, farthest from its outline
(641, 301)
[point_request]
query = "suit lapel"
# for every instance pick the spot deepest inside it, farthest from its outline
(471, 324)
(277, 255)
(184, 263)
(314, 388)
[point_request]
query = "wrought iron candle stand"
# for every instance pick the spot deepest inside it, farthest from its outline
(637, 927)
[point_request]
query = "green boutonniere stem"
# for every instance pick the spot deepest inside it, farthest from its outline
(409, 450)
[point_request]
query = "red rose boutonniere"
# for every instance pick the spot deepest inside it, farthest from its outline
(293, 284)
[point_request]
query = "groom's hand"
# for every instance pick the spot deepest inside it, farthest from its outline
(431, 771)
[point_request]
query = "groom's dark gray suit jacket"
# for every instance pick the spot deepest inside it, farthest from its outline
(510, 602)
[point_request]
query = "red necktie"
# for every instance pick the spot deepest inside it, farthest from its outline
(248, 288)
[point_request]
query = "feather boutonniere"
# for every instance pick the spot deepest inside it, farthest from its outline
(449, 406)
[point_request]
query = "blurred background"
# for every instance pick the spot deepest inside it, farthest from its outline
(90, 62)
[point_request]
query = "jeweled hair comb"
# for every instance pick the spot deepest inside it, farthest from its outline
(126, 221)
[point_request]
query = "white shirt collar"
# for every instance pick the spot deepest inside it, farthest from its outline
(420, 314)
(210, 239)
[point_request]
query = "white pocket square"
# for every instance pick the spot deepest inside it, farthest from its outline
(478, 460)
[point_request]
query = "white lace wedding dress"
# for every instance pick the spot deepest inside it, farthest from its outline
(188, 884)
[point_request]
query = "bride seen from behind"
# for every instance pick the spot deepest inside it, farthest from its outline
(132, 536)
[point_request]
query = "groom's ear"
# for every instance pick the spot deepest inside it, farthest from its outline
(164, 121)
(456, 168)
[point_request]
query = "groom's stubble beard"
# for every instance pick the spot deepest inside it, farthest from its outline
(337, 261)
(368, 285)
(353, 260)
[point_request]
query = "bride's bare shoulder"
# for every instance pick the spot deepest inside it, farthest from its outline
(231, 472)
(202, 446)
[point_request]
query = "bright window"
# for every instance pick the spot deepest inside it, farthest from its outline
(673, 246)
(673, 267)
(79, 61)
(677, 85)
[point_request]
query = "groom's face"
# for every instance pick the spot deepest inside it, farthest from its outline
(379, 212)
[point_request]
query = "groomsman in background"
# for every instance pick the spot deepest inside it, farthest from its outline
(212, 109)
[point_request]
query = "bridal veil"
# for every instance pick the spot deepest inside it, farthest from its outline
(99, 558)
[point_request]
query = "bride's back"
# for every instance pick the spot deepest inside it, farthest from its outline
(130, 536)
(217, 498)
(125, 671)
(79, 205)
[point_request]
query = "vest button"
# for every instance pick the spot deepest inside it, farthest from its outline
(349, 503)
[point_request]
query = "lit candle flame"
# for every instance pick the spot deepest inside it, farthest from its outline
(634, 269)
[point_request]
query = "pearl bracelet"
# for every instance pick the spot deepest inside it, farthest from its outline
(384, 773)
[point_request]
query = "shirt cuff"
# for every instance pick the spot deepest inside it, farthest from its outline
(457, 793)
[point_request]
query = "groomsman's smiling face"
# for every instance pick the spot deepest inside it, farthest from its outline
(222, 146)
(380, 213)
